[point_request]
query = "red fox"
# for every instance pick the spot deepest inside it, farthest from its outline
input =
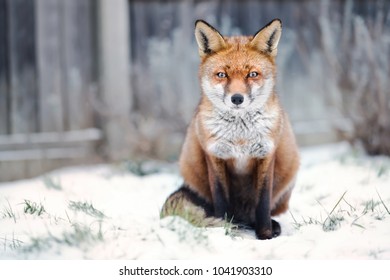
(239, 159)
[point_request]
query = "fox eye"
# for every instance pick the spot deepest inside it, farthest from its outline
(253, 74)
(221, 75)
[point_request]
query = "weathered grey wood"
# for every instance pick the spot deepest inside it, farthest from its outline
(139, 43)
(45, 153)
(45, 47)
(51, 115)
(4, 81)
(21, 22)
(24, 141)
(186, 74)
(12, 170)
(46, 69)
(115, 75)
(76, 45)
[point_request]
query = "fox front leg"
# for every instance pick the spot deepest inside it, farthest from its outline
(218, 185)
(265, 227)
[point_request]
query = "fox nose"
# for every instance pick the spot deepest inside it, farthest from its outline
(237, 99)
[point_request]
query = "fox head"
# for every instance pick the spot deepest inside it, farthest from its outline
(238, 73)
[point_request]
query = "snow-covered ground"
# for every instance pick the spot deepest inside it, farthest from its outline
(339, 210)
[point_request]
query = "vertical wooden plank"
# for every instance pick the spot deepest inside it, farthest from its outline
(139, 43)
(76, 42)
(49, 66)
(115, 75)
(140, 31)
(188, 85)
(93, 52)
(4, 80)
(21, 22)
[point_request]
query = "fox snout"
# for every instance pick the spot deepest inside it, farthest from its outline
(237, 99)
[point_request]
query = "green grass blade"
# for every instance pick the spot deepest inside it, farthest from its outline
(384, 205)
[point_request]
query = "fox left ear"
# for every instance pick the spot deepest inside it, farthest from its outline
(208, 38)
(266, 39)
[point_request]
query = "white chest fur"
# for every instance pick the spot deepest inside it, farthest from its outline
(240, 136)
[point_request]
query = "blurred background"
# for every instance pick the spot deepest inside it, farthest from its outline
(86, 81)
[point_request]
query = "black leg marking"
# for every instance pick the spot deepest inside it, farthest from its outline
(263, 226)
(220, 201)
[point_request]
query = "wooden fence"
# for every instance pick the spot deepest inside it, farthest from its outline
(64, 84)
(47, 81)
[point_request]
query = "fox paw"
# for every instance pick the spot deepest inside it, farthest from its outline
(275, 231)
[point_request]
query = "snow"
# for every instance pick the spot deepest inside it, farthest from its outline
(339, 210)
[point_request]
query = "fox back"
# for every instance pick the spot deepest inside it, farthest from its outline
(239, 159)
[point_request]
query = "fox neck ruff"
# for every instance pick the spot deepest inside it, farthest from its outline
(240, 136)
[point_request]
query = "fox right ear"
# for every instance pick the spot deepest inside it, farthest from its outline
(208, 38)
(266, 40)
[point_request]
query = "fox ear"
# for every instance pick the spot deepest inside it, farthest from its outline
(208, 38)
(266, 39)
